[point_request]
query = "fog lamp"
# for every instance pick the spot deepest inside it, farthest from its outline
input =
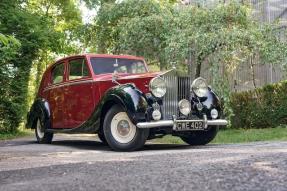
(156, 115)
(199, 107)
(214, 113)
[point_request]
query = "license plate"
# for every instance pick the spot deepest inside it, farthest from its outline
(189, 126)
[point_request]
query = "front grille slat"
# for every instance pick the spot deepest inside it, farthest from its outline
(177, 88)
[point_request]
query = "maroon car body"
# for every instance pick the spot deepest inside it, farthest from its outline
(72, 101)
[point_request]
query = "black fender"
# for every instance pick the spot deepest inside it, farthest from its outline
(209, 101)
(130, 98)
(40, 109)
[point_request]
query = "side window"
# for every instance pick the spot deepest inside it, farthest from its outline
(138, 67)
(58, 73)
(122, 69)
(78, 69)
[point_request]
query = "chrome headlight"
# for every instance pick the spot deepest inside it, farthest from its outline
(157, 87)
(184, 106)
(199, 87)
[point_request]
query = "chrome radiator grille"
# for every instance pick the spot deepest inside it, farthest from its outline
(177, 88)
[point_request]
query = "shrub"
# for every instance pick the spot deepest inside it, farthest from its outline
(260, 108)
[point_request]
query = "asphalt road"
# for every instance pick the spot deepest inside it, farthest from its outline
(82, 163)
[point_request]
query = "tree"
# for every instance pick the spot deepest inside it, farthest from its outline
(133, 27)
(32, 33)
(222, 37)
(37, 31)
(8, 51)
(64, 18)
(226, 34)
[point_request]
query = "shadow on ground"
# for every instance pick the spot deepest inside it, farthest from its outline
(96, 145)
(87, 144)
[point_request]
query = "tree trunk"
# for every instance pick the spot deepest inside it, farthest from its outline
(198, 69)
(253, 72)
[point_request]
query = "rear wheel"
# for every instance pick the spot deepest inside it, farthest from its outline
(41, 135)
(200, 137)
(120, 133)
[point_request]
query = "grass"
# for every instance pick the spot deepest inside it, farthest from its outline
(13, 135)
(238, 136)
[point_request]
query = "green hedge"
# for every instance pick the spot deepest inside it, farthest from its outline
(261, 108)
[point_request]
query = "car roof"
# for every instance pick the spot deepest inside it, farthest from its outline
(97, 55)
(102, 56)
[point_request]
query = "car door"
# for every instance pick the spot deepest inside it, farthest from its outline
(56, 95)
(79, 98)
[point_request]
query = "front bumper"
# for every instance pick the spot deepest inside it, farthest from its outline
(172, 123)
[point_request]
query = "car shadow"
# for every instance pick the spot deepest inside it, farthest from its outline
(99, 146)
(82, 144)
(160, 146)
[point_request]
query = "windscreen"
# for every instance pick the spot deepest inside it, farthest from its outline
(110, 65)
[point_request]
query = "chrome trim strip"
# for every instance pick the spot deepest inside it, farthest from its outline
(126, 78)
(69, 83)
(222, 122)
(171, 123)
(146, 125)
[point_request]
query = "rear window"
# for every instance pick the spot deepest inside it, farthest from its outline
(110, 65)
(58, 73)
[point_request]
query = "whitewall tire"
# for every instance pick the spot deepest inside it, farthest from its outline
(120, 133)
(41, 135)
(122, 129)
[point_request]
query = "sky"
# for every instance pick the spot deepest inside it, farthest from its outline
(87, 14)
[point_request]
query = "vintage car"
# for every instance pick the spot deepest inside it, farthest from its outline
(116, 97)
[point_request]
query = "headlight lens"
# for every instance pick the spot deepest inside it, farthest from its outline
(214, 113)
(199, 87)
(157, 87)
(184, 106)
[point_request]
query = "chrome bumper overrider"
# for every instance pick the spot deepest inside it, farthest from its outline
(172, 123)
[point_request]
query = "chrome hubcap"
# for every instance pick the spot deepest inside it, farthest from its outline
(122, 129)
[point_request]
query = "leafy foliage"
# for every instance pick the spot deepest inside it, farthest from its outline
(133, 27)
(220, 38)
(226, 34)
(36, 33)
(8, 51)
(261, 108)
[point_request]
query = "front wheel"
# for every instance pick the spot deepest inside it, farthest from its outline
(200, 137)
(42, 136)
(120, 133)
